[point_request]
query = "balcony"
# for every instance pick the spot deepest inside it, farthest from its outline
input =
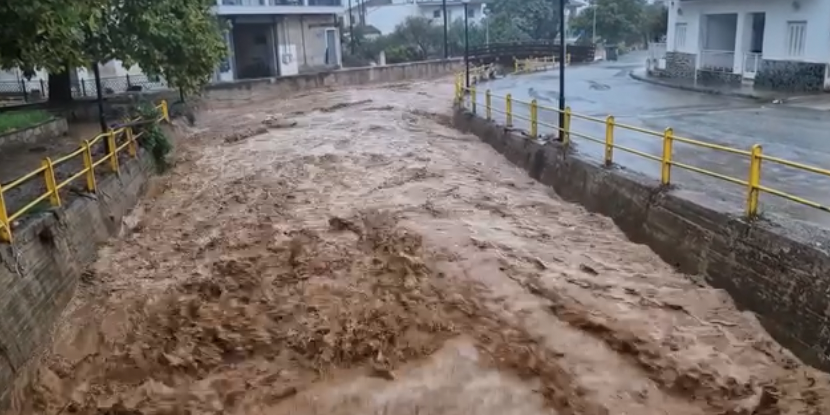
(273, 7)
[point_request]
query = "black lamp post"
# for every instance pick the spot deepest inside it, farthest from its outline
(562, 45)
(446, 38)
(466, 42)
(351, 28)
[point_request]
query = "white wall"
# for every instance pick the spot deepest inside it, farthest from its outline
(778, 13)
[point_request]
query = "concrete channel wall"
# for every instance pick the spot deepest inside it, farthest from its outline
(781, 276)
(39, 272)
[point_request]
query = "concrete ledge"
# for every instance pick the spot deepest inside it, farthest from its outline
(781, 276)
(688, 86)
(254, 90)
(55, 127)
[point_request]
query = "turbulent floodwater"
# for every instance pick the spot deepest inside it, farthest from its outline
(344, 252)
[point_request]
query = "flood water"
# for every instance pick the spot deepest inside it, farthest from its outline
(346, 252)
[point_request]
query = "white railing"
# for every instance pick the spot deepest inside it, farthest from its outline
(656, 50)
(717, 60)
(752, 61)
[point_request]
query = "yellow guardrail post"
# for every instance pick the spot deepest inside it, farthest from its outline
(488, 101)
(165, 110)
(665, 173)
(568, 59)
(112, 154)
(515, 65)
(754, 182)
(131, 147)
(5, 226)
(566, 129)
(51, 183)
(90, 170)
(609, 140)
(473, 99)
(508, 110)
(534, 118)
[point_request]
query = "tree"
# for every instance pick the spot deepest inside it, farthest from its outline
(179, 39)
(617, 20)
(657, 22)
(525, 19)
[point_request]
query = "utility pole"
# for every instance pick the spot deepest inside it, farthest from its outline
(446, 35)
(594, 29)
(351, 28)
(562, 44)
(466, 43)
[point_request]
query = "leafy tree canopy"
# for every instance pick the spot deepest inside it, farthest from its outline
(179, 39)
(616, 20)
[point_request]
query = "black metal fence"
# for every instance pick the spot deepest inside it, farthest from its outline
(505, 53)
(38, 89)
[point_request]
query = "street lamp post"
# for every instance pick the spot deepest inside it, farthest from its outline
(562, 44)
(446, 38)
(351, 27)
(466, 42)
(594, 27)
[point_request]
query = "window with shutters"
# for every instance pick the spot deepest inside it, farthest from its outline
(680, 36)
(796, 38)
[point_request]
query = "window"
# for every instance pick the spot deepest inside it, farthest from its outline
(436, 14)
(679, 36)
(471, 13)
(796, 37)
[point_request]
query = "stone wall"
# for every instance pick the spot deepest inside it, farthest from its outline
(680, 65)
(55, 127)
(719, 77)
(790, 76)
(781, 276)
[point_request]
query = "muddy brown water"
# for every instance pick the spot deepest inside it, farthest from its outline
(344, 252)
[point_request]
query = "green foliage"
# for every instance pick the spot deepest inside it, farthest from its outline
(178, 39)
(152, 137)
(616, 20)
(18, 120)
(525, 19)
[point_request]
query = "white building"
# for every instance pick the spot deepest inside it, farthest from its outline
(778, 44)
(386, 15)
(267, 38)
(280, 37)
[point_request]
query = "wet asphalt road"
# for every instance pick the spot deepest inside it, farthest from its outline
(606, 88)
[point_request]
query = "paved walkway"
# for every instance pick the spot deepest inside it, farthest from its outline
(785, 131)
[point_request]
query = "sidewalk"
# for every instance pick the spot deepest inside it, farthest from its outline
(741, 91)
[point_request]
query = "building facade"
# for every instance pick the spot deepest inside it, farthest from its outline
(279, 37)
(776, 44)
(386, 15)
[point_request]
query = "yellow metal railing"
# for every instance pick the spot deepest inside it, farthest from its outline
(538, 64)
(752, 183)
(53, 186)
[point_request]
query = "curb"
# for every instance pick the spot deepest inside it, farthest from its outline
(701, 89)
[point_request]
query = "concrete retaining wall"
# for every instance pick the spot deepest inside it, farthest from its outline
(38, 273)
(55, 127)
(781, 276)
(247, 91)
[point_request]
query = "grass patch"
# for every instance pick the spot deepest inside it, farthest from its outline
(18, 120)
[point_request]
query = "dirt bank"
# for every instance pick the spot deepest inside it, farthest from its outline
(343, 252)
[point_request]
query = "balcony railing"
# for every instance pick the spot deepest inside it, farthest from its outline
(718, 60)
(752, 61)
(656, 50)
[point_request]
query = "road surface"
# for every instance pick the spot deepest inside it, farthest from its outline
(345, 252)
(794, 133)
